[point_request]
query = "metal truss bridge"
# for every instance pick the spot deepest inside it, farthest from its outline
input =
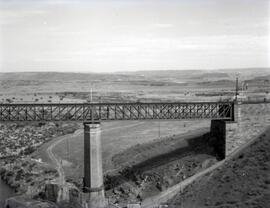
(115, 111)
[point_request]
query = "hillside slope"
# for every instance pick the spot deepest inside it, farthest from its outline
(243, 182)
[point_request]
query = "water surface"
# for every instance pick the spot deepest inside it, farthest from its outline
(5, 192)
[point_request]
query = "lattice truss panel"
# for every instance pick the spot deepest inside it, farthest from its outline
(115, 111)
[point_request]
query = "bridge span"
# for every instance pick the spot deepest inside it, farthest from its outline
(91, 114)
(115, 111)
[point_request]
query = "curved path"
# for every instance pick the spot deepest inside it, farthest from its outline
(58, 161)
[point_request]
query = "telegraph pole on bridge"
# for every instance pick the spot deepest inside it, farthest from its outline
(94, 196)
(236, 89)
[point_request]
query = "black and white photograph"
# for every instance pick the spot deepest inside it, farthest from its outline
(134, 103)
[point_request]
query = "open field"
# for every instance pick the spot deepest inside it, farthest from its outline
(194, 85)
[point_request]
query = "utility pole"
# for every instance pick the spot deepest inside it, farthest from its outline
(159, 129)
(91, 101)
(236, 88)
(91, 93)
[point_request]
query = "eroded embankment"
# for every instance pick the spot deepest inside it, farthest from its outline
(148, 169)
(242, 181)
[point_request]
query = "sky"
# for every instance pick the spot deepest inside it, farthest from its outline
(132, 35)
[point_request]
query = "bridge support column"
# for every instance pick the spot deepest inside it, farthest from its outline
(93, 174)
(218, 138)
(223, 137)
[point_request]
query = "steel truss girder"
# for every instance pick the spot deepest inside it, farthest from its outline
(116, 111)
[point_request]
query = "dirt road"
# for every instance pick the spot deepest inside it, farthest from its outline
(58, 161)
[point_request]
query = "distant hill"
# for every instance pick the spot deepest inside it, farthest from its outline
(59, 76)
(223, 82)
(246, 73)
(263, 81)
(213, 75)
(169, 75)
(263, 78)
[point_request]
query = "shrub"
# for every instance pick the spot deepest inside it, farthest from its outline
(10, 173)
(2, 171)
(50, 171)
(24, 164)
(29, 150)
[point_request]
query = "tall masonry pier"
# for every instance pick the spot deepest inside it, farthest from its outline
(93, 174)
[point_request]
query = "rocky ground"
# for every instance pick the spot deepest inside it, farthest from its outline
(138, 178)
(24, 174)
(23, 139)
(242, 182)
(27, 176)
(252, 120)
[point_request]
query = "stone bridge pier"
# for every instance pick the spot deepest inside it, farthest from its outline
(93, 173)
(222, 132)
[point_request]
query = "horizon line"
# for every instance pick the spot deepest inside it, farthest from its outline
(136, 71)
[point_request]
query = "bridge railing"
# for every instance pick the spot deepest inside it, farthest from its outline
(116, 111)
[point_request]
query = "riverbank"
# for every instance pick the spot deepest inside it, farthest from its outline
(26, 175)
(19, 173)
(5, 192)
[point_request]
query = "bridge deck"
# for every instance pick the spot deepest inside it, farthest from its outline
(115, 111)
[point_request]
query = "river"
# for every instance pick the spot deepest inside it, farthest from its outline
(5, 192)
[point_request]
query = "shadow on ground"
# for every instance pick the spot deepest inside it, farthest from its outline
(181, 148)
